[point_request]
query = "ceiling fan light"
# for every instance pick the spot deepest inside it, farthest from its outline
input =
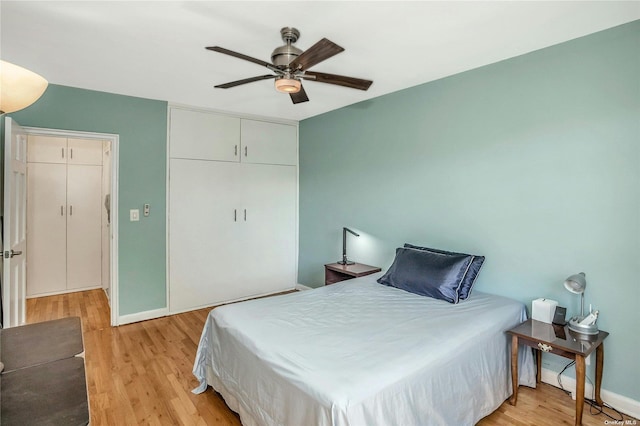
(287, 85)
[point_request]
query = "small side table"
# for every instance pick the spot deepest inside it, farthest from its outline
(558, 340)
(334, 272)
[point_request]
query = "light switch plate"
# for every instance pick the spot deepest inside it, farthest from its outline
(134, 215)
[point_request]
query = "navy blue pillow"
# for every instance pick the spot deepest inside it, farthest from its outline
(472, 273)
(427, 273)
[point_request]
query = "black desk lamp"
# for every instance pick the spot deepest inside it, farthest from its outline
(344, 260)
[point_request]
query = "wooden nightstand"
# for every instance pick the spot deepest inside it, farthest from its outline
(334, 272)
(558, 340)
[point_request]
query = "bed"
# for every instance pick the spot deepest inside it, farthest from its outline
(361, 353)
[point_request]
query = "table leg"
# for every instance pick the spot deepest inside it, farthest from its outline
(514, 369)
(580, 373)
(599, 365)
(538, 366)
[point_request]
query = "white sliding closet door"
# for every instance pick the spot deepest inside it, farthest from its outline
(84, 221)
(203, 220)
(47, 229)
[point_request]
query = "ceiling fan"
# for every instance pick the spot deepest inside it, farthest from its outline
(291, 65)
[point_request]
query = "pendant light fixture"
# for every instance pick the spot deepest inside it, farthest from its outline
(19, 87)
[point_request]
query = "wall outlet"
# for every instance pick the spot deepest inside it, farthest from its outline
(146, 210)
(134, 215)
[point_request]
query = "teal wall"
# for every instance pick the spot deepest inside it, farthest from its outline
(533, 162)
(142, 127)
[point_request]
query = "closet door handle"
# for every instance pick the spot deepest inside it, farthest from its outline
(71, 155)
(62, 151)
(245, 215)
(70, 210)
(235, 152)
(245, 151)
(61, 210)
(235, 215)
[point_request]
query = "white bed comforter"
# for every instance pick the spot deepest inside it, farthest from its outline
(360, 353)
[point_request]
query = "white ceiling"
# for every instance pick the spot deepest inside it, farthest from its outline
(156, 49)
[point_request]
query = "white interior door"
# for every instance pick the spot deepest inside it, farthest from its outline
(46, 228)
(14, 235)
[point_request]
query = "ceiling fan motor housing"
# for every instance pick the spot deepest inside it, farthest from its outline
(283, 55)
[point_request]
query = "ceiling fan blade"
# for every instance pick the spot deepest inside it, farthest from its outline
(241, 56)
(324, 49)
(340, 80)
(244, 81)
(299, 97)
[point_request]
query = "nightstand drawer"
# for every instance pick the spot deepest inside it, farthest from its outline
(546, 347)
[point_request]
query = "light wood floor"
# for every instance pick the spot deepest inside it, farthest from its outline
(141, 373)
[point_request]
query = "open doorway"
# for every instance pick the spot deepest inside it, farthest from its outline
(71, 221)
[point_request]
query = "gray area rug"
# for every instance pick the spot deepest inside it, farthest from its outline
(55, 393)
(46, 341)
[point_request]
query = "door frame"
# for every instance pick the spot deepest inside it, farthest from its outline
(114, 139)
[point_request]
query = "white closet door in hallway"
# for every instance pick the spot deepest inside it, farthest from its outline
(64, 215)
(84, 226)
(46, 228)
(84, 151)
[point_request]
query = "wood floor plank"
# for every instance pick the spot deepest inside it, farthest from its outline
(141, 373)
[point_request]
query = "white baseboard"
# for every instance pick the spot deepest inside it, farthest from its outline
(143, 316)
(302, 287)
(621, 403)
(65, 291)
